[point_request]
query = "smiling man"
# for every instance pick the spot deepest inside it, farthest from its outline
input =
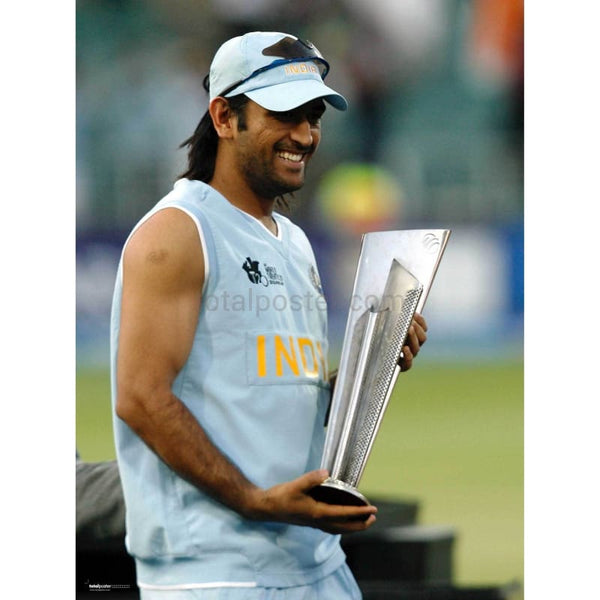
(219, 409)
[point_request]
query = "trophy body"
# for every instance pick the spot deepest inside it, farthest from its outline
(393, 278)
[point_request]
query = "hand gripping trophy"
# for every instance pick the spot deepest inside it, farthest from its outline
(394, 275)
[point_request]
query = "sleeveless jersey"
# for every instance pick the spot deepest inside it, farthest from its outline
(256, 379)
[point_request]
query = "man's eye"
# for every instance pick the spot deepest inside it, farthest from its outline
(285, 117)
(291, 116)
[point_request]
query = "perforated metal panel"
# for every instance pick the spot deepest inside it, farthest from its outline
(394, 329)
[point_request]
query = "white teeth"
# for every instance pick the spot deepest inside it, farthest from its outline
(290, 156)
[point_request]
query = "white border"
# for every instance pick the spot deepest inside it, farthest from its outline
(199, 586)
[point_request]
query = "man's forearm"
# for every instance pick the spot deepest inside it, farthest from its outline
(169, 428)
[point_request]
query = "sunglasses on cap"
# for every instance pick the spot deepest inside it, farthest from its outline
(293, 52)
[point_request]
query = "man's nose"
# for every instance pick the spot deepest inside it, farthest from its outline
(302, 132)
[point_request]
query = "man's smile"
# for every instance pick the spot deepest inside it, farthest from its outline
(291, 156)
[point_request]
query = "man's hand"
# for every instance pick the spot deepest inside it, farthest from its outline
(417, 336)
(290, 503)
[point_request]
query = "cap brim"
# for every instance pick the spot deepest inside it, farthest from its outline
(291, 94)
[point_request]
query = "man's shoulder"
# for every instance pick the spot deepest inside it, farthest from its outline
(173, 218)
(190, 190)
(192, 196)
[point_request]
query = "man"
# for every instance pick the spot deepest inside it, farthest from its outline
(220, 382)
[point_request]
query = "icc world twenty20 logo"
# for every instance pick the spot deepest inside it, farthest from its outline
(255, 275)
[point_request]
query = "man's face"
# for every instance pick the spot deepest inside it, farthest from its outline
(274, 148)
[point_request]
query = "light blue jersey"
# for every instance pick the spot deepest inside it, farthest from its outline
(256, 380)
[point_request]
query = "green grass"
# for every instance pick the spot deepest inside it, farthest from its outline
(452, 439)
(93, 416)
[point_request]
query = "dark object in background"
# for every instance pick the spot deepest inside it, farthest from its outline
(102, 562)
(100, 520)
(392, 513)
(391, 590)
(413, 553)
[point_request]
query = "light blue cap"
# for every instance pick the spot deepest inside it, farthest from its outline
(276, 70)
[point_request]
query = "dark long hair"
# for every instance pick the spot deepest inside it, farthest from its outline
(202, 148)
(202, 144)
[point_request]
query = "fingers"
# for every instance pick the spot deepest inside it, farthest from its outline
(420, 320)
(417, 336)
(290, 502)
(348, 526)
(310, 480)
(342, 512)
(335, 518)
(417, 333)
(323, 510)
(406, 359)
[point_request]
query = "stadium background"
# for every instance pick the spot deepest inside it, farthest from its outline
(433, 138)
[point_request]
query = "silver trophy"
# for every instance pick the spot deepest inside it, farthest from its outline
(393, 278)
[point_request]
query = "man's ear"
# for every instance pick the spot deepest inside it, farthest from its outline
(223, 118)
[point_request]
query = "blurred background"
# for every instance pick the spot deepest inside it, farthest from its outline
(433, 138)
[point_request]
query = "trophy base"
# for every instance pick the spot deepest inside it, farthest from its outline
(332, 491)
